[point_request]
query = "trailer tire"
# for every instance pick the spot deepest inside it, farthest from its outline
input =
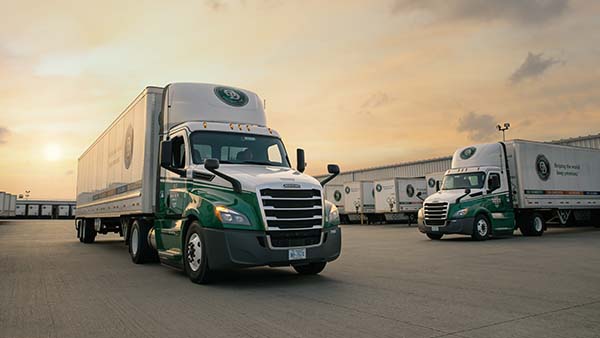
(434, 237)
(310, 269)
(195, 260)
(139, 249)
(534, 225)
(481, 228)
(88, 234)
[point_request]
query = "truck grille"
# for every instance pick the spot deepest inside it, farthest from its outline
(292, 209)
(436, 213)
(294, 238)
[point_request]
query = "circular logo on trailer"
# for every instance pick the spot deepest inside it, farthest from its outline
(128, 147)
(231, 96)
(542, 166)
(378, 187)
(410, 190)
(431, 182)
(347, 190)
(467, 153)
(337, 195)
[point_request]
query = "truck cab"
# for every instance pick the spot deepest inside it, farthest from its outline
(475, 196)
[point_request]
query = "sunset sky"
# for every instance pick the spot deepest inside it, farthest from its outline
(358, 83)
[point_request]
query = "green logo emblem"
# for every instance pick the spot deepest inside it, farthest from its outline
(128, 147)
(378, 187)
(347, 190)
(337, 196)
(467, 153)
(542, 166)
(410, 190)
(431, 182)
(231, 96)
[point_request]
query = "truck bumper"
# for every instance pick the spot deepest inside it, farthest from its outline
(453, 226)
(238, 248)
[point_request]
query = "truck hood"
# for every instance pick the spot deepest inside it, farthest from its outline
(449, 196)
(259, 176)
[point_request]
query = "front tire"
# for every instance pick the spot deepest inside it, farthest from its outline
(195, 261)
(481, 228)
(139, 249)
(434, 237)
(310, 269)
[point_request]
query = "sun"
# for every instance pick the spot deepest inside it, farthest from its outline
(52, 152)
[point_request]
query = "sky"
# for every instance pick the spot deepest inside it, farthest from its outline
(357, 83)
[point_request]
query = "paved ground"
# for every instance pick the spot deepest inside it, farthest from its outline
(390, 282)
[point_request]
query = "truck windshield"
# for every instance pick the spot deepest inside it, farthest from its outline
(473, 180)
(237, 148)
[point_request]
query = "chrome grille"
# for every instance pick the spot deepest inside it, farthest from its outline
(292, 208)
(435, 213)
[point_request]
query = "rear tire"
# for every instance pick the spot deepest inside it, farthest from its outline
(139, 249)
(533, 225)
(310, 269)
(481, 228)
(434, 237)
(88, 233)
(195, 260)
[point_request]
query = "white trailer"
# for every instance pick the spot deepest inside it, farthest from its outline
(46, 211)
(21, 210)
(63, 211)
(434, 182)
(335, 194)
(400, 198)
(2, 198)
(359, 202)
(12, 206)
(72, 211)
(493, 189)
(33, 210)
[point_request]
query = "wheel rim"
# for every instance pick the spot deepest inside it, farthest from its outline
(194, 252)
(538, 225)
(134, 241)
(482, 227)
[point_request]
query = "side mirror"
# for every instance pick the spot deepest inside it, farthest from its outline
(333, 169)
(300, 160)
(211, 164)
(419, 196)
(166, 154)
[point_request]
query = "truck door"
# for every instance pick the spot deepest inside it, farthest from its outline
(497, 202)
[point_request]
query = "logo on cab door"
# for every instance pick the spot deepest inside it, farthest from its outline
(231, 96)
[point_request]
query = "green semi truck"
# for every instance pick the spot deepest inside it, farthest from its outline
(191, 176)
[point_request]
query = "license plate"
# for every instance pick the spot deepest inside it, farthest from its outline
(435, 228)
(296, 254)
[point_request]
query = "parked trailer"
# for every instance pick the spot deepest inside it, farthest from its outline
(21, 210)
(434, 182)
(12, 206)
(63, 211)
(202, 183)
(493, 189)
(72, 211)
(33, 210)
(399, 199)
(2, 198)
(335, 194)
(46, 211)
(359, 202)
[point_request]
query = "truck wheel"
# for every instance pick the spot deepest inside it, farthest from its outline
(534, 225)
(88, 233)
(195, 261)
(139, 249)
(481, 228)
(434, 237)
(310, 269)
(79, 228)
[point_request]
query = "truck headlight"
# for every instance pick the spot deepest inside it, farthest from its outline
(461, 212)
(421, 214)
(228, 216)
(333, 215)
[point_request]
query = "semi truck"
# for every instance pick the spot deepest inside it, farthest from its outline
(335, 194)
(359, 202)
(493, 189)
(400, 198)
(191, 175)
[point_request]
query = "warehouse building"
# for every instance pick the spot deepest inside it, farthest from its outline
(440, 164)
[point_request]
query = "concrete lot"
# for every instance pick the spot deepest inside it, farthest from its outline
(390, 281)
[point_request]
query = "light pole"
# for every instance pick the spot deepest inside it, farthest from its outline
(503, 129)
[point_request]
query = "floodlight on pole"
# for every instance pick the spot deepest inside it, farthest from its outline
(503, 128)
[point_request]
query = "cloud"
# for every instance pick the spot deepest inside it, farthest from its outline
(375, 100)
(533, 66)
(479, 127)
(4, 132)
(519, 11)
